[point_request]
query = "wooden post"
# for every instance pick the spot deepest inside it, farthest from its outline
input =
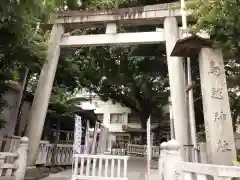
(86, 145)
(104, 140)
(21, 162)
(107, 139)
(192, 113)
(93, 150)
(149, 148)
(55, 154)
(102, 143)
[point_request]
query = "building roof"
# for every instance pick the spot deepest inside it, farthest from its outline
(190, 46)
(86, 114)
(68, 121)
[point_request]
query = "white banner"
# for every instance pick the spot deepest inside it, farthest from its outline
(77, 135)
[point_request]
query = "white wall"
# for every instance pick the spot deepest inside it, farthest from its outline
(108, 108)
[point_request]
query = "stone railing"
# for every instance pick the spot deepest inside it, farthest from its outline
(63, 152)
(87, 166)
(171, 166)
(63, 155)
(49, 155)
(42, 153)
(136, 149)
(15, 170)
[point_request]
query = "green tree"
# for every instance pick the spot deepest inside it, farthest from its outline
(222, 20)
(138, 82)
(19, 46)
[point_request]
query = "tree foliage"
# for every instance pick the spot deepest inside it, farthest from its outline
(221, 19)
(19, 46)
(137, 82)
(63, 103)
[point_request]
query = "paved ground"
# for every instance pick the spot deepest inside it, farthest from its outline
(137, 169)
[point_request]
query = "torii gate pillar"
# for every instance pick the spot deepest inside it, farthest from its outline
(42, 95)
(177, 83)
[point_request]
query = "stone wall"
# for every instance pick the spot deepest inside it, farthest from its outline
(9, 112)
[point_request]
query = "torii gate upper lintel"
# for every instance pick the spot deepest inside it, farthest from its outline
(143, 15)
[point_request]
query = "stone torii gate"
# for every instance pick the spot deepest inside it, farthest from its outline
(154, 14)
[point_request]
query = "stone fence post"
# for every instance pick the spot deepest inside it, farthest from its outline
(172, 161)
(163, 149)
(21, 161)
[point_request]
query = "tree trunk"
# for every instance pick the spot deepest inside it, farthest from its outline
(143, 122)
(21, 101)
(234, 121)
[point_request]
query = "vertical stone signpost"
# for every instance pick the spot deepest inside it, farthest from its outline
(216, 107)
(217, 115)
